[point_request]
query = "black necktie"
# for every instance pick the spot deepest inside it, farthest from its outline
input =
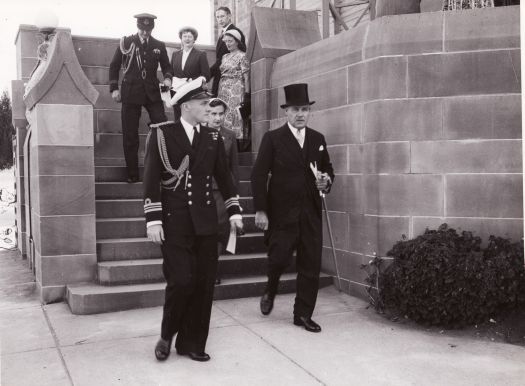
(145, 44)
(195, 140)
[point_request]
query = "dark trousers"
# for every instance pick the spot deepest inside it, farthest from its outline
(189, 267)
(130, 115)
(305, 236)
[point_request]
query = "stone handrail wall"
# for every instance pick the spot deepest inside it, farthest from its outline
(422, 114)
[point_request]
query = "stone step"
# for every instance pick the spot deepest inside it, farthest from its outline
(245, 189)
(251, 243)
(130, 271)
(117, 190)
(119, 173)
(150, 270)
(140, 248)
(133, 207)
(110, 145)
(113, 161)
(246, 158)
(114, 173)
(245, 173)
(93, 298)
(114, 228)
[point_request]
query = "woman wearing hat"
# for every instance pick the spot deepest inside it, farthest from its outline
(234, 86)
(189, 62)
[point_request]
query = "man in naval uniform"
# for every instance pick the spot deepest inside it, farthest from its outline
(139, 55)
(289, 206)
(182, 159)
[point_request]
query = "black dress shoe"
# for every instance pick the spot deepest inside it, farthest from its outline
(163, 349)
(199, 356)
(307, 323)
(132, 179)
(196, 356)
(266, 304)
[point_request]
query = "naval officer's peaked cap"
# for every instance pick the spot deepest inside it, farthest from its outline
(145, 21)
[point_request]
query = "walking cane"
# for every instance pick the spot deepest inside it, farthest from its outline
(331, 241)
(314, 169)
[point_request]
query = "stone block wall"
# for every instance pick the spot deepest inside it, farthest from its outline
(422, 114)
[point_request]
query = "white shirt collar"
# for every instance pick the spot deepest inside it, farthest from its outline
(185, 55)
(189, 128)
(225, 28)
(295, 130)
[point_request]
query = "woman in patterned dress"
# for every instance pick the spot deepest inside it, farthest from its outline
(234, 87)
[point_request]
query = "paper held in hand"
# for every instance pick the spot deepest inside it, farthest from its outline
(232, 240)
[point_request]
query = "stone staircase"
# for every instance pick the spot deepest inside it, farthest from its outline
(129, 269)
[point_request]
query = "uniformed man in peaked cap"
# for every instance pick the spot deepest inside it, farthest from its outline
(182, 159)
(139, 55)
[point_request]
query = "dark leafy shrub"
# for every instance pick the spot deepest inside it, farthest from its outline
(445, 278)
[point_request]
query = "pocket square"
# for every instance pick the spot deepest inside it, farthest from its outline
(321, 148)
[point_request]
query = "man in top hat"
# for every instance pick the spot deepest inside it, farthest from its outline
(223, 15)
(288, 206)
(182, 159)
(139, 55)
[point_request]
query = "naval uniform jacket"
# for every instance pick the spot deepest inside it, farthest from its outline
(189, 207)
(140, 84)
(292, 183)
(196, 65)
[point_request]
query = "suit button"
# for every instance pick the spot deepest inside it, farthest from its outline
(208, 202)
(207, 185)
(189, 193)
(208, 177)
(207, 193)
(190, 203)
(189, 185)
(189, 176)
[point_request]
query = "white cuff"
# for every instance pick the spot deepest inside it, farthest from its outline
(151, 223)
(235, 217)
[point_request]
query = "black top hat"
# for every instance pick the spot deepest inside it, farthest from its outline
(296, 95)
(145, 21)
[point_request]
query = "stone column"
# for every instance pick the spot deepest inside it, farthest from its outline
(20, 124)
(61, 195)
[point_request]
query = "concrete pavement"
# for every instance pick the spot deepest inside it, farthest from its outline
(47, 345)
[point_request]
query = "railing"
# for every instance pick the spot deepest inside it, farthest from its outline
(335, 16)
